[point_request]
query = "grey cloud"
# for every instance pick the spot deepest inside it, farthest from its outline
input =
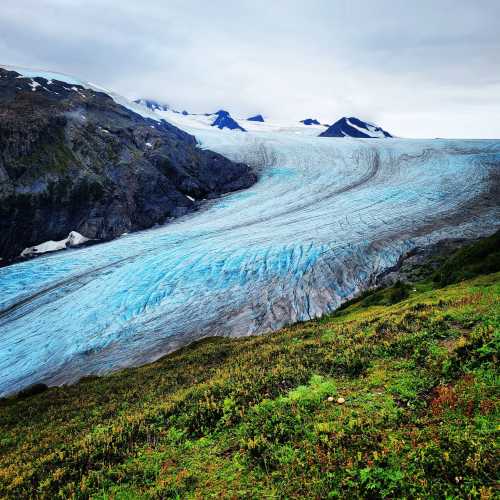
(421, 69)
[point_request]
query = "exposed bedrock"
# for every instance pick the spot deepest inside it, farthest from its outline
(72, 159)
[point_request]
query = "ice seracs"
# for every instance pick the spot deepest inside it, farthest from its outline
(354, 127)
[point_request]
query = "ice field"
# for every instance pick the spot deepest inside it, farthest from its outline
(326, 217)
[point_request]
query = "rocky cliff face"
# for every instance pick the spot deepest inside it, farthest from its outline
(71, 158)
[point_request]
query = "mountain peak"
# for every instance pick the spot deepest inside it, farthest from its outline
(256, 118)
(354, 127)
(310, 121)
(225, 120)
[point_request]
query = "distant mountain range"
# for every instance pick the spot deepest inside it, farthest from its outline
(345, 127)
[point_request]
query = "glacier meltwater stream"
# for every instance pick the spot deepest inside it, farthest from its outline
(326, 217)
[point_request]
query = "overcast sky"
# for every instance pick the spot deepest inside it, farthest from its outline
(426, 68)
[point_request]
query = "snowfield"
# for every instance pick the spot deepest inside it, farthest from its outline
(326, 217)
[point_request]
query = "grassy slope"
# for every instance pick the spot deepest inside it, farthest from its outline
(251, 417)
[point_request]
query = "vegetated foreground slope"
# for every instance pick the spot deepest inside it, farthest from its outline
(326, 218)
(72, 158)
(259, 417)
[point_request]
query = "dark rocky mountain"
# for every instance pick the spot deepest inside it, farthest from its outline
(153, 105)
(256, 118)
(354, 127)
(310, 121)
(224, 120)
(71, 158)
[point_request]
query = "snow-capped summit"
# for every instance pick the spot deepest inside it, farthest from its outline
(224, 120)
(153, 105)
(354, 127)
(310, 121)
(256, 118)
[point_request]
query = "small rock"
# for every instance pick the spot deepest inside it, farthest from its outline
(330, 398)
(340, 401)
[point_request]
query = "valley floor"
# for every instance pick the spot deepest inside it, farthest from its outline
(260, 417)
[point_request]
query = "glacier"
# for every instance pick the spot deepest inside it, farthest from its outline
(327, 216)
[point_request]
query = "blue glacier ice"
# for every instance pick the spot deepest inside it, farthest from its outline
(326, 217)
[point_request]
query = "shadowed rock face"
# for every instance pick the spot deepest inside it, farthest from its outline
(72, 158)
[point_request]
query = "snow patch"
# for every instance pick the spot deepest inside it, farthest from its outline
(74, 239)
(34, 85)
(370, 130)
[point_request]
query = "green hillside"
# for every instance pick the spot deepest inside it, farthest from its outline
(415, 368)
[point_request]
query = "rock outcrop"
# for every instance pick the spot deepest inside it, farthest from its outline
(73, 159)
(310, 121)
(256, 118)
(153, 105)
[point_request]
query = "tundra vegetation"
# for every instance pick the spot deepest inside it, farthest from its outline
(395, 395)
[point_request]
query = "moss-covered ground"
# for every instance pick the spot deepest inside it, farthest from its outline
(260, 417)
